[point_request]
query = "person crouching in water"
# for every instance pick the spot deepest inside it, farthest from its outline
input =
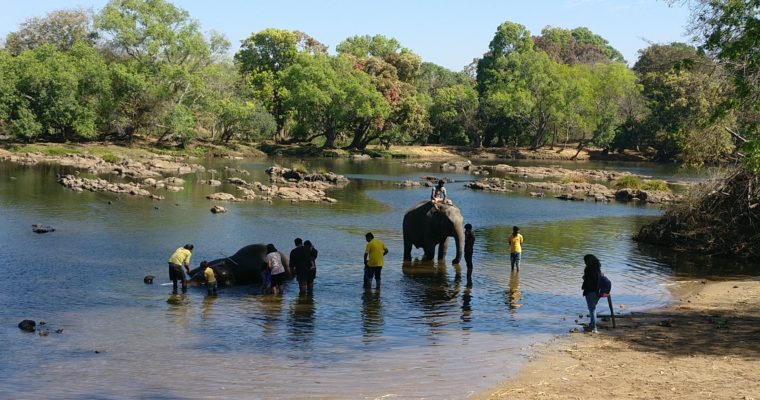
(276, 269)
(208, 272)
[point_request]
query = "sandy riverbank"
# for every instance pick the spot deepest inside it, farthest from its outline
(707, 346)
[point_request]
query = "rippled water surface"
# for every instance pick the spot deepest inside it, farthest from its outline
(425, 335)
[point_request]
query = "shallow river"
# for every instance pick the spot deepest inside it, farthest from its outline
(425, 336)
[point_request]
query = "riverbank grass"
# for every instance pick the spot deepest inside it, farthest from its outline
(635, 182)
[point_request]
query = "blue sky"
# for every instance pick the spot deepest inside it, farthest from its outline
(446, 32)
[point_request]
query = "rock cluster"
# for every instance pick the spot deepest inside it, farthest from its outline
(218, 210)
(549, 172)
(574, 191)
(465, 165)
(153, 166)
(39, 228)
(101, 185)
(289, 184)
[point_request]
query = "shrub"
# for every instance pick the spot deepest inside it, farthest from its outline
(628, 181)
(573, 179)
(656, 184)
(300, 166)
(110, 157)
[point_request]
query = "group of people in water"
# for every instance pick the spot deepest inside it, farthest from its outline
(303, 261)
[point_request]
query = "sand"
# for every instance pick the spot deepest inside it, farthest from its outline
(707, 346)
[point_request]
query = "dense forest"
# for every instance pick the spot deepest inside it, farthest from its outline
(144, 69)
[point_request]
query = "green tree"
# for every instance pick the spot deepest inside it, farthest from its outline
(316, 98)
(684, 90)
(730, 30)
(60, 94)
(453, 115)
(613, 84)
(262, 60)
(394, 70)
(531, 92)
(491, 73)
(433, 77)
(160, 55)
(60, 28)
(576, 46)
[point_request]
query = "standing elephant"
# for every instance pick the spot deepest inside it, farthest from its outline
(427, 226)
(242, 268)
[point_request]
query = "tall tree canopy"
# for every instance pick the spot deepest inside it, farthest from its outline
(264, 56)
(576, 46)
(730, 30)
(60, 28)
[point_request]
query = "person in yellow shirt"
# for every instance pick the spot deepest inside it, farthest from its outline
(373, 260)
(180, 258)
(515, 244)
(208, 272)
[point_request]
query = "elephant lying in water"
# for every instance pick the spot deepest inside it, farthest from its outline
(242, 268)
(428, 226)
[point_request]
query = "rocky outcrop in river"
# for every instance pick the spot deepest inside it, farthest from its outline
(150, 167)
(295, 186)
(574, 191)
(550, 172)
(101, 185)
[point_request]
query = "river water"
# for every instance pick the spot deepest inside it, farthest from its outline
(426, 335)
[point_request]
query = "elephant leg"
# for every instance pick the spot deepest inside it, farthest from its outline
(442, 247)
(429, 252)
(407, 250)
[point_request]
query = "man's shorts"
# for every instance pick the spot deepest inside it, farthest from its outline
(306, 275)
(515, 257)
(176, 273)
(278, 279)
(372, 272)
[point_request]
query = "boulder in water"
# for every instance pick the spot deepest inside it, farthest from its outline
(218, 210)
(27, 325)
(39, 228)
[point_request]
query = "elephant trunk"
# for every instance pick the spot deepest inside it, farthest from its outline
(459, 241)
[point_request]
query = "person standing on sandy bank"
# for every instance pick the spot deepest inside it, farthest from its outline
(590, 287)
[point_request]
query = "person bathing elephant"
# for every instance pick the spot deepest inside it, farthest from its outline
(242, 268)
(430, 224)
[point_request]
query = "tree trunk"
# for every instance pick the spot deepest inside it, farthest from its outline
(331, 134)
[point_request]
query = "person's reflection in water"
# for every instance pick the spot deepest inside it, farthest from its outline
(271, 308)
(178, 308)
(513, 295)
(466, 309)
(301, 320)
(208, 303)
(372, 314)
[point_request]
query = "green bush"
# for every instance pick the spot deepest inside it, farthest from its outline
(628, 181)
(300, 166)
(110, 157)
(656, 184)
(573, 179)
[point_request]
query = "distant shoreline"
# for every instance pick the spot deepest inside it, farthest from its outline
(415, 152)
(704, 346)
